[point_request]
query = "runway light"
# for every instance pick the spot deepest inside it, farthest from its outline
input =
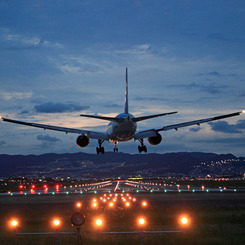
(14, 223)
(111, 204)
(21, 186)
(141, 221)
(184, 221)
(144, 203)
(94, 204)
(56, 223)
(127, 204)
(98, 222)
(33, 186)
(78, 205)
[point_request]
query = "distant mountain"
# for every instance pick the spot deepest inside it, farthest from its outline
(83, 165)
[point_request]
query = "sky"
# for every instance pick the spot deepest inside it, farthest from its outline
(61, 58)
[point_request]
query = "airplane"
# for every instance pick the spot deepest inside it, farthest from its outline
(122, 128)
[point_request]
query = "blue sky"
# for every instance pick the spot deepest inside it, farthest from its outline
(63, 58)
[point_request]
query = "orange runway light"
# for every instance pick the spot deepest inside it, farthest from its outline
(144, 203)
(184, 221)
(94, 204)
(56, 222)
(98, 222)
(127, 204)
(78, 205)
(141, 221)
(14, 223)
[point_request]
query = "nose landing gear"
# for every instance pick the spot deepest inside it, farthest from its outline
(142, 147)
(115, 147)
(100, 149)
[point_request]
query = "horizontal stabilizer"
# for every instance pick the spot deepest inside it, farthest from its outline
(103, 118)
(137, 119)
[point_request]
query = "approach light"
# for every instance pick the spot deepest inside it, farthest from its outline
(78, 205)
(56, 222)
(127, 204)
(94, 204)
(141, 221)
(111, 204)
(98, 222)
(14, 223)
(184, 221)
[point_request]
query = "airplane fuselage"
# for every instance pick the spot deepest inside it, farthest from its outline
(123, 130)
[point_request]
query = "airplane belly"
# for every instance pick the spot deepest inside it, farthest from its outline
(122, 132)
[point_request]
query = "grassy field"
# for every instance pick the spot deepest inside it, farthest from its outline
(216, 218)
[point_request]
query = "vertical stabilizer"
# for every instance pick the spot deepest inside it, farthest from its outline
(126, 93)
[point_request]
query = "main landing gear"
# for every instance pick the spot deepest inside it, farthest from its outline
(115, 147)
(142, 147)
(100, 149)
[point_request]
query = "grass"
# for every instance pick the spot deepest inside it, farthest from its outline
(216, 218)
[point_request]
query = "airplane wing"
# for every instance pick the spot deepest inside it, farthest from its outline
(137, 119)
(90, 134)
(153, 132)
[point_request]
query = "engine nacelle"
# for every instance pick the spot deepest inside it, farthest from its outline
(155, 140)
(82, 141)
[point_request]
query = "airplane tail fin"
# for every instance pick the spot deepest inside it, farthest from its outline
(126, 93)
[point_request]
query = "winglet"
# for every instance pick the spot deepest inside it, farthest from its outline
(126, 93)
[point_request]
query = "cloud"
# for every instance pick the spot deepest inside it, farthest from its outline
(15, 95)
(51, 107)
(220, 37)
(138, 49)
(25, 42)
(2, 143)
(224, 127)
(47, 138)
(211, 88)
(196, 129)
(216, 73)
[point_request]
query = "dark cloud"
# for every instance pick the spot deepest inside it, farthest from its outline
(51, 107)
(196, 129)
(234, 142)
(224, 127)
(47, 138)
(216, 73)
(2, 143)
(220, 37)
(211, 88)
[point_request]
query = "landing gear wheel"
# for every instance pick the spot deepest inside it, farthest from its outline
(115, 146)
(139, 149)
(142, 147)
(100, 149)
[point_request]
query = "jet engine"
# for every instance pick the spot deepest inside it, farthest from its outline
(82, 141)
(155, 140)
